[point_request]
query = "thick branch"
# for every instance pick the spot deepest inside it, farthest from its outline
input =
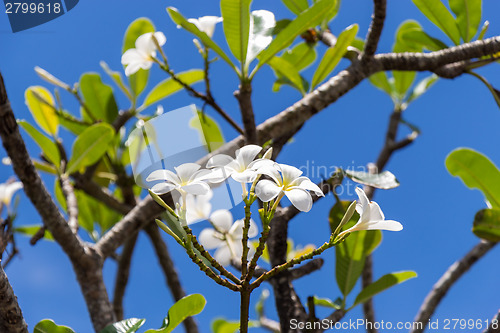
(11, 316)
(244, 96)
(297, 114)
(33, 186)
(446, 281)
(375, 29)
(122, 276)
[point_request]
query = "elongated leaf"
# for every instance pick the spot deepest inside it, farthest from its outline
(48, 147)
(44, 115)
(236, 21)
(384, 180)
(352, 252)
(468, 14)
(305, 20)
(404, 79)
(487, 224)
(98, 97)
(334, 54)
(300, 56)
(209, 130)
(483, 31)
(45, 167)
(385, 282)
(262, 25)
(328, 303)
(284, 69)
(169, 86)
(380, 81)
(89, 146)
(438, 14)
(420, 37)
(178, 19)
(477, 172)
(296, 6)
(137, 28)
(48, 326)
(117, 78)
(31, 230)
(422, 87)
(185, 307)
(125, 326)
(71, 123)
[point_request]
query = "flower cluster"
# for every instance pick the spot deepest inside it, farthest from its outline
(270, 182)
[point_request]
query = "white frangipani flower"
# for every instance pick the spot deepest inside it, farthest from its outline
(286, 181)
(226, 237)
(206, 24)
(244, 167)
(198, 207)
(188, 179)
(371, 216)
(144, 52)
(7, 191)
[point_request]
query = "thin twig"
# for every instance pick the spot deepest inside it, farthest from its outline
(447, 280)
(375, 30)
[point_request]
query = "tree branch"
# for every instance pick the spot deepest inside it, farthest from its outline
(122, 275)
(375, 29)
(71, 203)
(11, 316)
(244, 96)
(494, 326)
(446, 281)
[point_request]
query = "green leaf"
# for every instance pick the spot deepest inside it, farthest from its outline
(71, 123)
(477, 172)
(487, 224)
(117, 78)
(334, 54)
(48, 326)
(420, 37)
(209, 130)
(483, 31)
(404, 79)
(125, 326)
(384, 180)
(261, 33)
(236, 22)
(305, 20)
(31, 230)
(422, 87)
(178, 19)
(98, 97)
(286, 70)
(296, 6)
(300, 56)
(45, 167)
(48, 147)
(169, 86)
(41, 105)
(90, 146)
(438, 14)
(137, 28)
(385, 282)
(380, 81)
(352, 252)
(328, 303)
(185, 307)
(468, 13)
(221, 325)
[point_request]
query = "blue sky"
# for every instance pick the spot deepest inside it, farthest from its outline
(435, 208)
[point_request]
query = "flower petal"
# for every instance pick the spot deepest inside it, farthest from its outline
(186, 170)
(289, 173)
(363, 203)
(7, 191)
(267, 190)
(131, 56)
(210, 239)
(271, 170)
(222, 219)
(223, 255)
(163, 188)
(375, 212)
(300, 198)
(246, 176)
(196, 187)
(236, 230)
(166, 175)
(132, 68)
(245, 155)
(306, 184)
(207, 24)
(379, 225)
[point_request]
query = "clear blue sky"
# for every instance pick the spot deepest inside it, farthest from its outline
(435, 208)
